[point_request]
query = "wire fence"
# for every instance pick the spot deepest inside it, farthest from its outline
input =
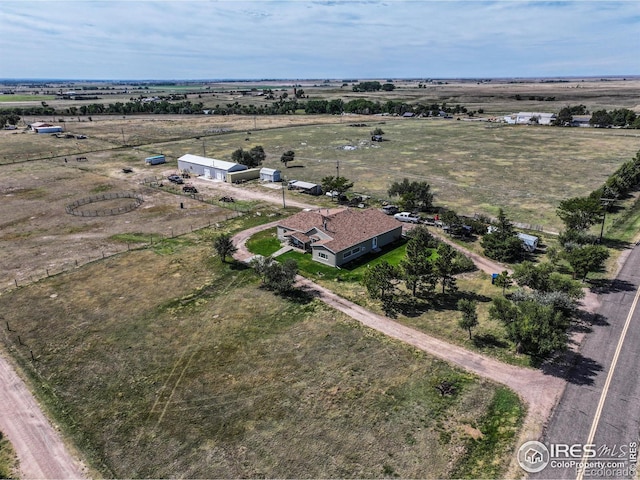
(75, 207)
(153, 240)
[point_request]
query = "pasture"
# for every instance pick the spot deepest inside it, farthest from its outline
(174, 365)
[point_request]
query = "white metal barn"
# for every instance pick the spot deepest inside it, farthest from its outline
(208, 167)
(269, 175)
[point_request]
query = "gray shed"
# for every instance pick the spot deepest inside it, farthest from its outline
(208, 167)
(305, 187)
(270, 175)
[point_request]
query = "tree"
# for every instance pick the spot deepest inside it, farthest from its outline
(274, 275)
(412, 194)
(380, 281)
(589, 258)
(224, 246)
(534, 328)
(469, 318)
(564, 117)
(503, 281)
(336, 184)
(258, 155)
(580, 213)
(417, 268)
(253, 158)
(601, 119)
(377, 131)
(288, 156)
(502, 244)
(444, 267)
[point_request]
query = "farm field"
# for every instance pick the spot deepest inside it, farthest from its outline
(157, 365)
(471, 166)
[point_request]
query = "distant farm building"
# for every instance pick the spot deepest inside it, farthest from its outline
(41, 127)
(527, 118)
(208, 167)
(305, 187)
(270, 175)
(155, 160)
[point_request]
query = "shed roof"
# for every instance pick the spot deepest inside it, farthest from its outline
(301, 184)
(212, 162)
(268, 171)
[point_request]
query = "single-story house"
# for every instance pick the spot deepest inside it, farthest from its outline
(208, 167)
(270, 175)
(305, 187)
(337, 236)
(529, 242)
(525, 118)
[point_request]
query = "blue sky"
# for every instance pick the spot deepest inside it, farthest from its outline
(298, 39)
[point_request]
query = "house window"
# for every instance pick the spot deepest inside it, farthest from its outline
(323, 255)
(351, 252)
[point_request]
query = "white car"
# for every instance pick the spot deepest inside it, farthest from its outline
(406, 217)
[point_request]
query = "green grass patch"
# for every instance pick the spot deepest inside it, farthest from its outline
(8, 459)
(351, 272)
(131, 238)
(103, 187)
(264, 243)
(25, 98)
(486, 457)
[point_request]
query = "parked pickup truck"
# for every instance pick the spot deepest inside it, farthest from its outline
(407, 217)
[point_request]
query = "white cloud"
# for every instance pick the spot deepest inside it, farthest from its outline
(320, 39)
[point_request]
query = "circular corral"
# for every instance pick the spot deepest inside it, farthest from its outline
(129, 202)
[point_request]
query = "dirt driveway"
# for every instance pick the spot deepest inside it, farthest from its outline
(39, 447)
(540, 391)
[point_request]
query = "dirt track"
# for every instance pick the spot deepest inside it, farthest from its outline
(540, 391)
(39, 447)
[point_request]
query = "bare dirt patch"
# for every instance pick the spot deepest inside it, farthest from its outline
(39, 238)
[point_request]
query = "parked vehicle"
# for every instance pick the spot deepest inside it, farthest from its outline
(390, 209)
(175, 179)
(407, 217)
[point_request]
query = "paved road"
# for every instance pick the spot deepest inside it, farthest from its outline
(619, 419)
(39, 448)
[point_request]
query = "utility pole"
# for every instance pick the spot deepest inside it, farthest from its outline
(284, 183)
(337, 169)
(204, 151)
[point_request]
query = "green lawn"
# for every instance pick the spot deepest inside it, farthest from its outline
(351, 272)
(264, 243)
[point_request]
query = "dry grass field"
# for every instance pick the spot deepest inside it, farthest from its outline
(163, 362)
(163, 366)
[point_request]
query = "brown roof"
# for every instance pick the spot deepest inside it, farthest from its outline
(345, 227)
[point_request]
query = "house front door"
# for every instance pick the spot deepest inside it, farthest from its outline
(374, 243)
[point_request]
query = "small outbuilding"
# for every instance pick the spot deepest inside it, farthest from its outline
(210, 168)
(270, 175)
(529, 242)
(155, 160)
(305, 187)
(41, 127)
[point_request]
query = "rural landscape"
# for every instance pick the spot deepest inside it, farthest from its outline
(173, 323)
